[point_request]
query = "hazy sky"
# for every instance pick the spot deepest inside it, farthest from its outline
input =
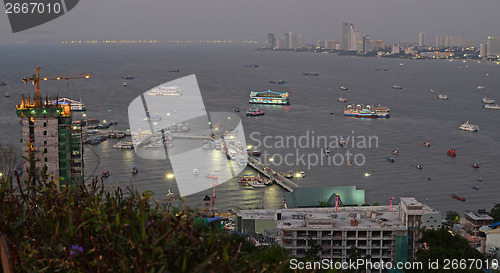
(389, 20)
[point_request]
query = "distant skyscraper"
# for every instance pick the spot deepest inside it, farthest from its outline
(271, 41)
(345, 35)
(367, 45)
(355, 43)
(279, 43)
(395, 49)
(421, 39)
(483, 53)
(455, 41)
(330, 45)
(379, 45)
(287, 40)
(493, 47)
(440, 41)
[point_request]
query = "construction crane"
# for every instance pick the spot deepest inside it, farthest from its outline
(36, 81)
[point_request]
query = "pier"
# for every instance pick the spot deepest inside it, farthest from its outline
(276, 177)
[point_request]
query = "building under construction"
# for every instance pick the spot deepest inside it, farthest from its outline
(50, 142)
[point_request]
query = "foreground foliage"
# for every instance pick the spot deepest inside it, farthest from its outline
(96, 229)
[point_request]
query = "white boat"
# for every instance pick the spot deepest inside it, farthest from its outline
(196, 172)
(443, 96)
(124, 145)
(480, 87)
(469, 127)
(74, 105)
(496, 107)
(125, 84)
(255, 184)
(7, 94)
(343, 88)
(165, 91)
(342, 99)
(326, 150)
(489, 101)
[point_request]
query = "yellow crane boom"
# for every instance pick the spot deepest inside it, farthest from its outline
(36, 81)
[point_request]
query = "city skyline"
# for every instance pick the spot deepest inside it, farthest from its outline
(387, 20)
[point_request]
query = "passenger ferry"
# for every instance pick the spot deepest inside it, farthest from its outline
(165, 91)
(269, 97)
(74, 105)
(362, 111)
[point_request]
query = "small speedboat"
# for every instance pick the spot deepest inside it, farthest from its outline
(397, 87)
(342, 142)
(128, 78)
(196, 172)
(395, 151)
(236, 109)
(426, 144)
(256, 152)
(342, 99)
(125, 84)
(390, 159)
(7, 94)
(475, 166)
(479, 179)
(419, 167)
(344, 88)
(451, 152)
(475, 188)
(368, 174)
(326, 150)
(135, 170)
(105, 174)
(480, 87)
(458, 197)
(350, 162)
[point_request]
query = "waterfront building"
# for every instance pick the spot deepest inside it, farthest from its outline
(367, 43)
(467, 44)
(320, 44)
(395, 49)
(279, 43)
(355, 42)
(287, 40)
(493, 47)
(50, 141)
(345, 35)
(379, 45)
(454, 41)
(330, 45)
(483, 53)
(474, 221)
(271, 40)
(379, 231)
(440, 41)
(421, 41)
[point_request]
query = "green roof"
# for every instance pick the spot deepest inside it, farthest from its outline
(313, 196)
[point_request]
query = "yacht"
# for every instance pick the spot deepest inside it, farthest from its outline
(469, 127)
(487, 100)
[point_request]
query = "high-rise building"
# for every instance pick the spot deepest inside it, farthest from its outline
(483, 52)
(279, 43)
(355, 41)
(421, 39)
(440, 41)
(330, 45)
(379, 45)
(287, 40)
(295, 41)
(50, 140)
(271, 41)
(455, 41)
(493, 46)
(320, 44)
(395, 49)
(367, 43)
(345, 35)
(51, 143)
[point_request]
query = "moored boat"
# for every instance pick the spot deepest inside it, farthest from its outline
(135, 170)
(256, 152)
(256, 184)
(495, 107)
(124, 145)
(469, 127)
(488, 101)
(247, 177)
(458, 197)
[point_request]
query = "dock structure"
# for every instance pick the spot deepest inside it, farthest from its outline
(271, 174)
